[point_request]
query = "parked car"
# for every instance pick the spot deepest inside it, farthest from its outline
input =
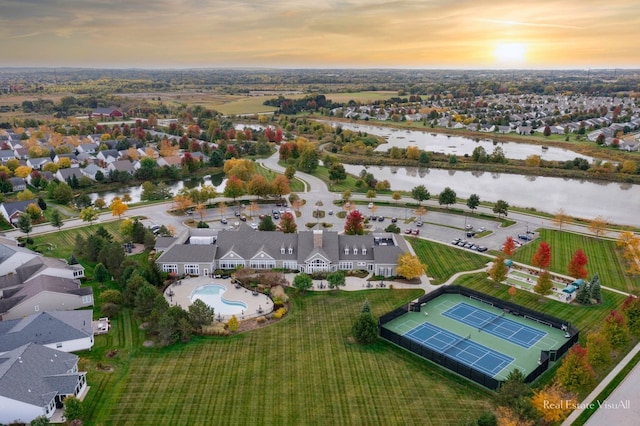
(254, 226)
(276, 215)
(471, 234)
(224, 221)
(467, 227)
(407, 231)
(416, 232)
(394, 219)
(419, 223)
(482, 248)
(482, 229)
(243, 218)
(330, 212)
(236, 213)
(525, 237)
(473, 247)
(380, 218)
(370, 205)
(455, 242)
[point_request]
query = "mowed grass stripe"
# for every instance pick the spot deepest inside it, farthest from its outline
(303, 370)
(443, 261)
(603, 256)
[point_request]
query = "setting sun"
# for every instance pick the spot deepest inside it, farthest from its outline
(510, 53)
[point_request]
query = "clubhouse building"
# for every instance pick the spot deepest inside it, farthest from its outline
(196, 254)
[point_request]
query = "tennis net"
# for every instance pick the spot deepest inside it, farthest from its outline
(490, 321)
(454, 343)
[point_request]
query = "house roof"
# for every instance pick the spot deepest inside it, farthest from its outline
(189, 253)
(45, 328)
(13, 207)
(40, 284)
(35, 374)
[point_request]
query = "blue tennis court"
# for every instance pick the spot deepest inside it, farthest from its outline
(495, 324)
(462, 349)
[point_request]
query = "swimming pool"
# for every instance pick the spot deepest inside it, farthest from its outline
(211, 294)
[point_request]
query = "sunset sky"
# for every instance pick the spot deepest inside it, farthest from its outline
(320, 33)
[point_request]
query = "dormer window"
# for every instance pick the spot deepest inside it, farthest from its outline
(364, 250)
(346, 250)
(282, 250)
(290, 250)
(355, 250)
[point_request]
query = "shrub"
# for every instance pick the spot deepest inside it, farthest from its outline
(261, 320)
(233, 324)
(279, 313)
(278, 293)
(217, 329)
(109, 309)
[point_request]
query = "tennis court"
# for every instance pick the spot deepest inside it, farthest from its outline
(495, 324)
(463, 349)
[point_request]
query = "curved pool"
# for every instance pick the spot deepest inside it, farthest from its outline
(211, 294)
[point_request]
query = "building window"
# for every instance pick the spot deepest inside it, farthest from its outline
(346, 250)
(192, 269)
(87, 299)
(58, 345)
(364, 250)
(355, 250)
(37, 308)
(290, 264)
(281, 250)
(168, 267)
(290, 250)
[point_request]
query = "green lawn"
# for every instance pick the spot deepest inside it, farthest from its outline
(60, 244)
(603, 255)
(443, 261)
(302, 370)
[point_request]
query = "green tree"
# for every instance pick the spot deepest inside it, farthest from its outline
(631, 312)
(583, 296)
(100, 273)
(308, 160)
(516, 394)
(111, 296)
(447, 197)
(72, 408)
(501, 208)
(266, 224)
(302, 282)
(234, 188)
(473, 202)
(365, 329)
(200, 314)
(144, 301)
(89, 214)
(594, 288)
(420, 194)
(56, 219)
(337, 172)
(336, 279)
(290, 172)
(40, 421)
(24, 223)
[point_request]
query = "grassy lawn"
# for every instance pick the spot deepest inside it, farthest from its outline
(603, 255)
(296, 185)
(303, 370)
(443, 261)
(60, 244)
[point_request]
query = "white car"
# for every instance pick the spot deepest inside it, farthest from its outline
(370, 205)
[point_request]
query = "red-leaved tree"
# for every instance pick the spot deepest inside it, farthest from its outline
(542, 257)
(509, 247)
(354, 224)
(577, 265)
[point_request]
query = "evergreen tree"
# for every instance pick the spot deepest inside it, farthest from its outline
(584, 295)
(594, 288)
(100, 273)
(365, 329)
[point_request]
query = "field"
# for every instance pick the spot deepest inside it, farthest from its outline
(443, 261)
(60, 244)
(603, 255)
(303, 370)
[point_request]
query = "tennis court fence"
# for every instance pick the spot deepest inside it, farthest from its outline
(458, 367)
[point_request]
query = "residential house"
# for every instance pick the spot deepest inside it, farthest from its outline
(48, 176)
(38, 163)
(307, 251)
(63, 174)
(71, 156)
(108, 155)
(66, 331)
(35, 380)
(6, 155)
(18, 184)
(91, 170)
(175, 161)
(123, 166)
(12, 209)
(88, 148)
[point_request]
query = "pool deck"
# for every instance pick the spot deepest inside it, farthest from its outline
(180, 294)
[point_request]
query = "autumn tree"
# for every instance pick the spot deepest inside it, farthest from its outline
(25, 195)
(396, 196)
(420, 211)
(234, 188)
(34, 212)
(499, 270)
(240, 168)
(615, 330)
(577, 265)
(182, 202)
(118, 208)
(560, 218)
(631, 312)
(280, 186)
(259, 186)
(509, 247)
(512, 291)
(542, 257)
(630, 244)
(288, 223)
(409, 266)
(598, 350)
(598, 226)
(553, 403)
(544, 284)
(354, 224)
(371, 194)
(576, 374)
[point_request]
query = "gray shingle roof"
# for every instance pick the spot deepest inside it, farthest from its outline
(27, 372)
(45, 328)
